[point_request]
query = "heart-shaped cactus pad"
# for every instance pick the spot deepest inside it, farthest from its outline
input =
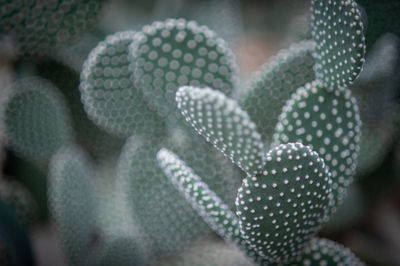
(281, 208)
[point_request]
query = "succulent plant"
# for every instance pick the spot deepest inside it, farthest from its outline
(294, 185)
(293, 134)
(170, 47)
(228, 128)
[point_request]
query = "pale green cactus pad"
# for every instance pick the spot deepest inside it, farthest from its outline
(169, 222)
(281, 208)
(39, 26)
(109, 96)
(338, 32)
(224, 124)
(176, 52)
(321, 251)
(329, 122)
(274, 83)
(35, 119)
(72, 204)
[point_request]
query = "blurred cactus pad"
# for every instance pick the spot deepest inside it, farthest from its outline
(157, 149)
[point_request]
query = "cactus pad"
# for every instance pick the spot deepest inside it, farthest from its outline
(281, 208)
(223, 123)
(329, 122)
(109, 97)
(35, 119)
(338, 32)
(176, 52)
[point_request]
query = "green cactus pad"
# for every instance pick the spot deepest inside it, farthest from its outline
(224, 124)
(109, 97)
(39, 26)
(321, 251)
(281, 208)
(329, 122)
(35, 119)
(274, 83)
(176, 52)
(72, 203)
(213, 210)
(338, 32)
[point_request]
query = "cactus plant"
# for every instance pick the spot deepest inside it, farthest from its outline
(293, 134)
(134, 111)
(275, 224)
(211, 114)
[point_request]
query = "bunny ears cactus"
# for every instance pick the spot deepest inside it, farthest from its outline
(265, 201)
(289, 243)
(290, 191)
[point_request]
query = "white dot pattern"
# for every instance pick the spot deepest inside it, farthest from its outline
(176, 52)
(329, 122)
(338, 32)
(224, 124)
(109, 97)
(281, 208)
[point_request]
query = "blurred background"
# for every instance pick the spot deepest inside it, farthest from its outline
(369, 221)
